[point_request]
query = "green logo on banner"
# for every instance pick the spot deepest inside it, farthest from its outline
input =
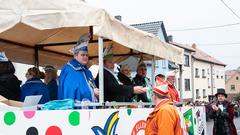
(188, 116)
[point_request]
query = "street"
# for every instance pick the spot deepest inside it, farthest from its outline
(210, 126)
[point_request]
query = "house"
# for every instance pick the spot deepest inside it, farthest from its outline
(201, 73)
(208, 75)
(232, 83)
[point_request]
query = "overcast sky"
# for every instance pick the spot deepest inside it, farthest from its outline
(187, 14)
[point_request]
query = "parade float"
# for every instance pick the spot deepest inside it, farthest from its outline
(41, 32)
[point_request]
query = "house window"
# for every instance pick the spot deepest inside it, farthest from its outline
(204, 93)
(217, 76)
(208, 71)
(233, 87)
(222, 77)
(203, 73)
(186, 62)
(196, 72)
(197, 93)
(164, 64)
(187, 84)
(237, 78)
(208, 83)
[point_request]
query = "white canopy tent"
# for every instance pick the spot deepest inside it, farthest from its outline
(42, 32)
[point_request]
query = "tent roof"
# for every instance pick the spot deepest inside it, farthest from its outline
(54, 26)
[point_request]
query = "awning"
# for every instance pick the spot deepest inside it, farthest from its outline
(54, 26)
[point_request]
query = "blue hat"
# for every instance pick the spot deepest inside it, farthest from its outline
(3, 57)
(81, 44)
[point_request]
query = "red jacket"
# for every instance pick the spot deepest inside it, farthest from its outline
(173, 93)
(164, 120)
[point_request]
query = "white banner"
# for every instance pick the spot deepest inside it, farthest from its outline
(91, 122)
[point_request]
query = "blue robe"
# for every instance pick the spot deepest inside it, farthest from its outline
(76, 82)
(53, 89)
(35, 86)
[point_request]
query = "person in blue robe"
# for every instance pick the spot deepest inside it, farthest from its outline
(76, 81)
(34, 86)
(50, 80)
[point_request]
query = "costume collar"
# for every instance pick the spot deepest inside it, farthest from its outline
(76, 65)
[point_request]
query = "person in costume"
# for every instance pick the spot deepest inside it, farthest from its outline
(141, 79)
(50, 80)
(164, 120)
(222, 112)
(34, 86)
(173, 93)
(114, 90)
(9, 83)
(76, 81)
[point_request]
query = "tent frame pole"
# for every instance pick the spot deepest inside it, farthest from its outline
(101, 75)
(36, 56)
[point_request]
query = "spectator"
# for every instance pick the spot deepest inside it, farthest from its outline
(164, 119)
(9, 83)
(34, 86)
(113, 89)
(76, 81)
(51, 81)
(173, 93)
(223, 113)
(141, 80)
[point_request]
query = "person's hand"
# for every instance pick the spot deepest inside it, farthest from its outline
(214, 107)
(139, 90)
(96, 92)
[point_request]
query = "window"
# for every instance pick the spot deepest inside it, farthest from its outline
(203, 73)
(217, 76)
(204, 93)
(164, 64)
(197, 93)
(187, 84)
(209, 83)
(222, 77)
(208, 71)
(237, 78)
(186, 60)
(196, 73)
(232, 87)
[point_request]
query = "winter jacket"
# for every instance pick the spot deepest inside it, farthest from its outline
(223, 119)
(164, 120)
(10, 86)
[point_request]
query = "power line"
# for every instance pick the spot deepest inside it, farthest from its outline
(206, 27)
(225, 4)
(220, 44)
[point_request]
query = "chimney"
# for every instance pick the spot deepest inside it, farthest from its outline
(170, 38)
(194, 46)
(118, 17)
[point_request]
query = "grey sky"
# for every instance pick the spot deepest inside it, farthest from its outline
(183, 14)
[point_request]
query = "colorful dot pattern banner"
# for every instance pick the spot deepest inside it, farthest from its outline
(82, 122)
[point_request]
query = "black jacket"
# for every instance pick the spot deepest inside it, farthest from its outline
(10, 87)
(223, 120)
(139, 81)
(113, 91)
